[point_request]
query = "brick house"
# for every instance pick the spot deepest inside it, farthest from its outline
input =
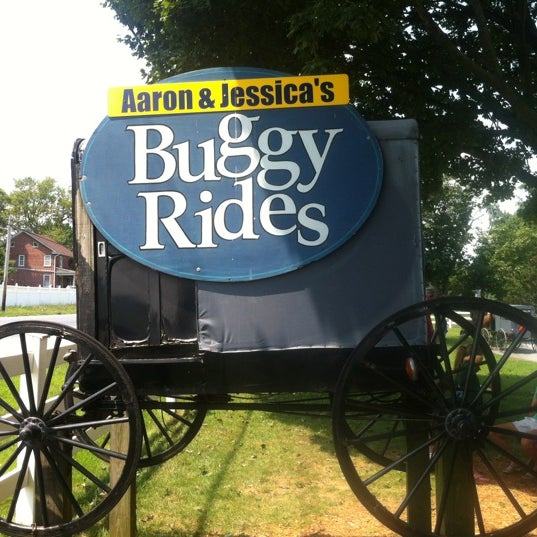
(39, 261)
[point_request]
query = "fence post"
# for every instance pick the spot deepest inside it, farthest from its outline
(122, 520)
(27, 504)
(459, 504)
(419, 506)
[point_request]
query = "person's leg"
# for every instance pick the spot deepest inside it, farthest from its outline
(502, 441)
(529, 445)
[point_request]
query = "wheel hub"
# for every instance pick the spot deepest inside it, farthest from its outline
(33, 432)
(461, 423)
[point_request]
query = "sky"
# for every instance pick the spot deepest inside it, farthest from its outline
(58, 58)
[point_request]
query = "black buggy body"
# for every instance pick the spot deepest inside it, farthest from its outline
(245, 232)
(286, 333)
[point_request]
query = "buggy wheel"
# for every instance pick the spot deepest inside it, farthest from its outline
(416, 423)
(167, 428)
(54, 483)
(501, 339)
(487, 336)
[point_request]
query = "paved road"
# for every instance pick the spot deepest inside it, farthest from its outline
(525, 353)
(68, 319)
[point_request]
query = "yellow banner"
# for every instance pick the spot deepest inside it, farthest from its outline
(228, 95)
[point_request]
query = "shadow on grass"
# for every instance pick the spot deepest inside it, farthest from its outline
(318, 430)
(175, 533)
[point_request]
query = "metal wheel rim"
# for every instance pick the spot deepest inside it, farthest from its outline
(363, 481)
(35, 430)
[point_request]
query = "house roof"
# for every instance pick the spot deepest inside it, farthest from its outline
(47, 242)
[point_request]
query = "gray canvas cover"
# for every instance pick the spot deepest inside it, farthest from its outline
(335, 301)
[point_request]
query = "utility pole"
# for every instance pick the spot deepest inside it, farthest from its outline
(6, 263)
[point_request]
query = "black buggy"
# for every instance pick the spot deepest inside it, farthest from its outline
(415, 396)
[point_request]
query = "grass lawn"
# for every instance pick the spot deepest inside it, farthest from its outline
(257, 474)
(252, 474)
(38, 310)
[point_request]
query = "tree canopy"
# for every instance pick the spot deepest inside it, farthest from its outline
(466, 70)
(446, 225)
(41, 207)
(507, 260)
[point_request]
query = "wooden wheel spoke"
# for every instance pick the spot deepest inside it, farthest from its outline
(28, 374)
(15, 393)
(50, 372)
(504, 487)
(160, 427)
(13, 457)
(93, 448)
(58, 452)
(397, 462)
(68, 386)
(178, 417)
(388, 435)
(19, 485)
(94, 397)
(434, 477)
(418, 483)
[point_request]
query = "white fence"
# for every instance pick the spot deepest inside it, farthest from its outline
(18, 295)
(40, 354)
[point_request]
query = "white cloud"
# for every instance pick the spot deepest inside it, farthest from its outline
(58, 57)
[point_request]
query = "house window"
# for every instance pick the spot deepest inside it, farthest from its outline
(12, 244)
(59, 261)
(34, 244)
(46, 280)
(20, 261)
(47, 261)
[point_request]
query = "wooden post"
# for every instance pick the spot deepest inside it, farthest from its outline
(58, 507)
(6, 263)
(419, 507)
(85, 268)
(31, 506)
(122, 521)
(455, 468)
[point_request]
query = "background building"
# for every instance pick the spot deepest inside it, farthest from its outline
(40, 261)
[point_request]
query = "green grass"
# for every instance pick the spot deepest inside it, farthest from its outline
(38, 310)
(257, 474)
(246, 473)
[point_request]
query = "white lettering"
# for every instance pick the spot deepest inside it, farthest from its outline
(235, 155)
(152, 202)
(286, 141)
(142, 153)
(242, 128)
(208, 172)
(244, 217)
(206, 216)
(317, 159)
(315, 225)
(267, 211)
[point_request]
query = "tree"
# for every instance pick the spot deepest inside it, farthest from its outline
(509, 251)
(446, 229)
(466, 70)
(42, 207)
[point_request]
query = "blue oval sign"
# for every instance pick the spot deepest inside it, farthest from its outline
(258, 188)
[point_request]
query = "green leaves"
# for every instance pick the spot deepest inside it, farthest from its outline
(42, 207)
(465, 69)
